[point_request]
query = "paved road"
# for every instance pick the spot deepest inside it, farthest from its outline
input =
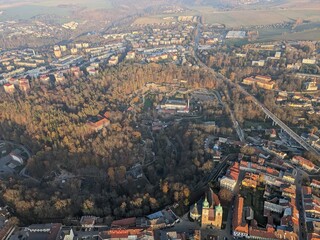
(300, 205)
(281, 124)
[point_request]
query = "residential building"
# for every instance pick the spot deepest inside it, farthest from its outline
(121, 234)
(24, 84)
(308, 61)
(229, 181)
(113, 60)
(311, 86)
(250, 180)
(263, 82)
(274, 207)
(98, 122)
(88, 221)
(9, 88)
(66, 233)
(288, 176)
(43, 231)
(264, 234)
(176, 104)
(239, 225)
(236, 35)
(304, 163)
(59, 77)
(315, 184)
(259, 63)
(131, 55)
(44, 78)
(57, 52)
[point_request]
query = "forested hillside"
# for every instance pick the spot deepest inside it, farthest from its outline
(51, 121)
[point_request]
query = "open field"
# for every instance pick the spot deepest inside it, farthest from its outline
(55, 3)
(150, 20)
(248, 17)
(29, 9)
(286, 34)
(238, 18)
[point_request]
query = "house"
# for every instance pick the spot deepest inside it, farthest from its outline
(121, 234)
(250, 180)
(274, 207)
(172, 235)
(88, 221)
(310, 86)
(263, 82)
(259, 63)
(59, 77)
(113, 60)
(75, 71)
(66, 233)
(260, 233)
(315, 183)
(308, 61)
(124, 223)
(44, 231)
(44, 78)
(97, 123)
(24, 84)
(288, 176)
(9, 88)
(229, 181)
(304, 163)
(131, 55)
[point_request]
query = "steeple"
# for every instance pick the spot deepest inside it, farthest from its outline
(205, 202)
(195, 209)
(219, 209)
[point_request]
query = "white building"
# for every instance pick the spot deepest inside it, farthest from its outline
(228, 183)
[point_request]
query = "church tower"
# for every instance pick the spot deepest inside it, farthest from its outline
(218, 216)
(205, 212)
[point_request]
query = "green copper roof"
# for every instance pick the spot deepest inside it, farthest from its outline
(219, 208)
(205, 203)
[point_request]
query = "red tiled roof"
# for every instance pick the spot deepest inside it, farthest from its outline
(54, 231)
(243, 163)
(315, 182)
(234, 171)
(306, 190)
(313, 236)
(121, 233)
(237, 221)
(262, 233)
(303, 161)
(211, 214)
(265, 78)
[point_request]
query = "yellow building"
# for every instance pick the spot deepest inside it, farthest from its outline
(211, 214)
(264, 82)
(250, 180)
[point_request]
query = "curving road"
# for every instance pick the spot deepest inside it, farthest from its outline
(281, 124)
(274, 118)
